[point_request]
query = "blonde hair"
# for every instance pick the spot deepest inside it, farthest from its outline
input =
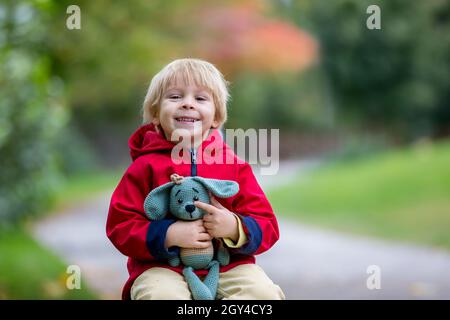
(191, 71)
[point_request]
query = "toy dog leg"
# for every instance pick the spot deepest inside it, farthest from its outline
(212, 279)
(198, 289)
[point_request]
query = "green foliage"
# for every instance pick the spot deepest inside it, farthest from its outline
(398, 194)
(73, 153)
(395, 79)
(109, 61)
(28, 271)
(289, 101)
(31, 112)
(85, 185)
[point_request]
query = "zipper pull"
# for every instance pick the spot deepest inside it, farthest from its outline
(193, 162)
(193, 155)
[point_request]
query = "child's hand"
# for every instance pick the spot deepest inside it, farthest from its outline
(219, 221)
(188, 234)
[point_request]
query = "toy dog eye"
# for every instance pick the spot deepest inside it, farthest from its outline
(195, 198)
(180, 200)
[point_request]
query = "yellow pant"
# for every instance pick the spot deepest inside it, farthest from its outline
(243, 282)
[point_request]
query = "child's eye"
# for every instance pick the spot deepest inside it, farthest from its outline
(180, 200)
(175, 97)
(195, 198)
(201, 98)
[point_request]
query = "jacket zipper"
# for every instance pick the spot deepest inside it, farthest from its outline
(193, 162)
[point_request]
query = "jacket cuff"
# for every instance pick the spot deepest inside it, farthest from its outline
(242, 239)
(156, 236)
(254, 235)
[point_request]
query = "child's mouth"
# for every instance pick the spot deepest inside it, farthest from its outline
(186, 120)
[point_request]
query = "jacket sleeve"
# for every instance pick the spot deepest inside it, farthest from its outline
(127, 225)
(259, 221)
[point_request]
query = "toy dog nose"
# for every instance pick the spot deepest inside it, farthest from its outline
(190, 208)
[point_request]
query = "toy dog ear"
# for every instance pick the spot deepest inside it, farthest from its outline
(219, 188)
(156, 204)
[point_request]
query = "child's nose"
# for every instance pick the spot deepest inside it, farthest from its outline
(188, 106)
(188, 102)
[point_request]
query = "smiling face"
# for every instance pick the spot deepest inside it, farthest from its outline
(186, 110)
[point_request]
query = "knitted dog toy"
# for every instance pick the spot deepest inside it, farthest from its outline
(178, 197)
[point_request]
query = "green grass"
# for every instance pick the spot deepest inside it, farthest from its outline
(402, 195)
(29, 271)
(85, 186)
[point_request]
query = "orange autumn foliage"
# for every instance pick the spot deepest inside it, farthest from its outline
(241, 38)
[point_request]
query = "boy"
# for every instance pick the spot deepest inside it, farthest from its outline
(187, 100)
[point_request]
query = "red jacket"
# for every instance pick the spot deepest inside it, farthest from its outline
(143, 241)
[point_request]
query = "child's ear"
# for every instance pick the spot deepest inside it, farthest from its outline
(215, 124)
(156, 121)
(157, 124)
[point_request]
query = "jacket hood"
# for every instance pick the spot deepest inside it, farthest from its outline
(147, 140)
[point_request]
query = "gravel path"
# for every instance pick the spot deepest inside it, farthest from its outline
(307, 262)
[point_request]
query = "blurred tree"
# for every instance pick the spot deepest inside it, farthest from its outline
(395, 79)
(291, 101)
(243, 37)
(32, 110)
